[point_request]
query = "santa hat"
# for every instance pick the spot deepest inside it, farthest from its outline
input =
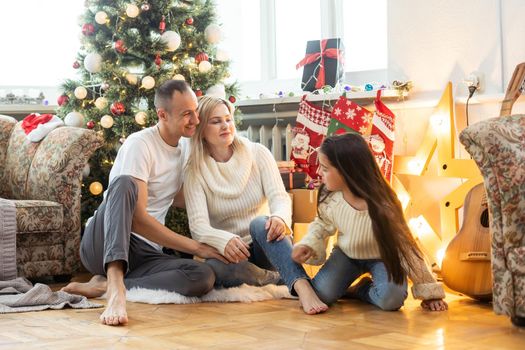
(37, 126)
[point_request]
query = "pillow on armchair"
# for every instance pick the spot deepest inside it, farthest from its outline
(498, 147)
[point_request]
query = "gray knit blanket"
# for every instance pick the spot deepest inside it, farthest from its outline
(19, 295)
(7, 240)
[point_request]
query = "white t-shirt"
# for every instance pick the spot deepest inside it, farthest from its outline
(145, 156)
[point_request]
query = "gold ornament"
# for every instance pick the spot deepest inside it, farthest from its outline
(96, 188)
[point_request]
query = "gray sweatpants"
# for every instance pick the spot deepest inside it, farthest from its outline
(108, 238)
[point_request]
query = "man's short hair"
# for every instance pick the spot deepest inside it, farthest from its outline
(164, 92)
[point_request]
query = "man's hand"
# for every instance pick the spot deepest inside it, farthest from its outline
(236, 250)
(301, 253)
(276, 228)
(207, 252)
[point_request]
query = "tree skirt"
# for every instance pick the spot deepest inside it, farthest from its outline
(243, 294)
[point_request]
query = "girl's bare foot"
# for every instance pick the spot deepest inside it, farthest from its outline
(309, 300)
(95, 288)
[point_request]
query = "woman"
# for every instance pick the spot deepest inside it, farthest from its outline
(237, 203)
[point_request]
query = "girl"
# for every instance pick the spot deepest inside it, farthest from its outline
(236, 203)
(373, 237)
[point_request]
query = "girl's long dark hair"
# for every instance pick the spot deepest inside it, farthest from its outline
(351, 156)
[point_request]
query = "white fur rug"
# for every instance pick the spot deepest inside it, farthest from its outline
(243, 294)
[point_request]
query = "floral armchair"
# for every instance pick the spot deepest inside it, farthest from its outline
(498, 147)
(43, 180)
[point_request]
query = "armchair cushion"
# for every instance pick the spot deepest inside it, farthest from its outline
(33, 216)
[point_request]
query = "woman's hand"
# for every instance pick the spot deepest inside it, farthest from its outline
(208, 252)
(434, 305)
(301, 253)
(236, 250)
(276, 228)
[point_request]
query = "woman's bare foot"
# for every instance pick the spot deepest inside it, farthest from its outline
(95, 288)
(115, 313)
(309, 300)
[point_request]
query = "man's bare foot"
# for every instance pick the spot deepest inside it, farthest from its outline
(309, 300)
(115, 313)
(95, 288)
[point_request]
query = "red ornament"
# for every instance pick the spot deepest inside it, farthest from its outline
(117, 108)
(62, 100)
(88, 29)
(90, 124)
(162, 24)
(198, 93)
(76, 65)
(189, 21)
(158, 60)
(120, 47)
(201, 57)
(232, 99)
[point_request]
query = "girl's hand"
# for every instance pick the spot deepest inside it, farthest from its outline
(301, 253)
(434, 305)
(276, 228)
(236, 250)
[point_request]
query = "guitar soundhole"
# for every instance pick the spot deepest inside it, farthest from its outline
(484, 219)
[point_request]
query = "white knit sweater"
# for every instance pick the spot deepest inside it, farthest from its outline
(224, 198)
(356, 239)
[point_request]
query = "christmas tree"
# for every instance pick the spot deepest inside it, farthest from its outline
(128, 49)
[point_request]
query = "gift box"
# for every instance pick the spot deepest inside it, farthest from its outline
(293, 179)
(323, 64)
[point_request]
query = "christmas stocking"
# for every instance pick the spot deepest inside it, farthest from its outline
(382, 137)
(308, 133)
(348, 116)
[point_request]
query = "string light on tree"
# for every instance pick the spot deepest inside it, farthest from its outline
(106, 121)
(96, 188)
(80, 92)
(101, 103)
(101, 17)
(132, 10)
(148, 82)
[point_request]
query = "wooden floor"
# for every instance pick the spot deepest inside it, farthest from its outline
(276, 324)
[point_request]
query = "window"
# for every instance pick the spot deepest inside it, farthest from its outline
(37, 42)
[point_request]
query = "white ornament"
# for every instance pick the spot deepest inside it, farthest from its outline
(132, 10)
(171, 39)
(222, 55)
(80, 92)
(204, 66)
(140, 118)
(101, 17)
(179, 77)
(106, 121)
(132, 78)
(216, 91)
(74, 119)
(148, 82)
(93, 62)
(86, 171)
(101, 102)
(213, 33)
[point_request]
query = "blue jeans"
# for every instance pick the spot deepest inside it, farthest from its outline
(265, 258)
(339, 271)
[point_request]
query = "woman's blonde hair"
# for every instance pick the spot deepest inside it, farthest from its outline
(199, 148)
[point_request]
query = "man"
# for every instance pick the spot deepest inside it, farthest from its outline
(123, 240)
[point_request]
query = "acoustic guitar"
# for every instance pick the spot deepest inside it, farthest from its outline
(466, 265)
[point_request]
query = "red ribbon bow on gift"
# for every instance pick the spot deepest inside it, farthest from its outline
(323, 52)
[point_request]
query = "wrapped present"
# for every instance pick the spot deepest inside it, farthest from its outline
(323, 64)
(293, 179)
(307, 135)
(348, 116)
